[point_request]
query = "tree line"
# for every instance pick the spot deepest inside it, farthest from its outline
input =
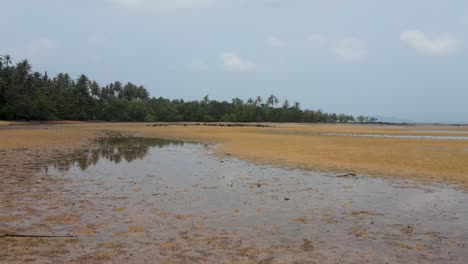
(29, 95)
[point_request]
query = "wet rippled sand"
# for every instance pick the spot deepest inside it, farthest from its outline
(135, 200)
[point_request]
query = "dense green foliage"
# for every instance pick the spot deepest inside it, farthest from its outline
(27, 95)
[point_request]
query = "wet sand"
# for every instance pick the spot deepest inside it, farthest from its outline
(136, 200)
(432, 159)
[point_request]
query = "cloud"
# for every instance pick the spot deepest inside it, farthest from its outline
(350, 49)
(442, 45)
(277, 42)
(233, 63)
(160, 6)
(198, 65)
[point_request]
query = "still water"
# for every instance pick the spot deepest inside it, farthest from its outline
(167, 200)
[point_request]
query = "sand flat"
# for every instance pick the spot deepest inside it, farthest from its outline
(293, 145)
(127, 199)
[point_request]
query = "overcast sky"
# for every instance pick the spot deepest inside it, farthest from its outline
(401, 58)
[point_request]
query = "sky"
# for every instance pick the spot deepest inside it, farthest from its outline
(399, 58)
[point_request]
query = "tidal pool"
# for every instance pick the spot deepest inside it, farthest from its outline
(150, 200)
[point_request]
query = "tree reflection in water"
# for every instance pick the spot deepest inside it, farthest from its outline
(114, 147)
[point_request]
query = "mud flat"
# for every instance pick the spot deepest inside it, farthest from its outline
(121, 199)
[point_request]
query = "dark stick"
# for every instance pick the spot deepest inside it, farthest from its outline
(346, 175)
(37, 236)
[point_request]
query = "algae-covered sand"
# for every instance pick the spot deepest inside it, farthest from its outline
(304, 146)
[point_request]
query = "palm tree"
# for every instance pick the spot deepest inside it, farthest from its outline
(297, 105)
(7, 60)
(117, 88)
(206, 100)
(95, 90)
(276, 101)
(82, 85)
(271, 100)
(23, 67)
(237, 101)
(258, 101)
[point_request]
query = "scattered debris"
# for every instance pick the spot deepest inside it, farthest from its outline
(210, 124)
(157, 125)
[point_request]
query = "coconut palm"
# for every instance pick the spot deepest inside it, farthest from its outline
(297, 105)
(7, 60)
(258, 101)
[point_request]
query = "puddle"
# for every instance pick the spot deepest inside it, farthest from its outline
(116, 148)
(156, 200)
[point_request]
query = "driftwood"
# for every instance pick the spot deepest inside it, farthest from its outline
(346, 175)
(36, 236)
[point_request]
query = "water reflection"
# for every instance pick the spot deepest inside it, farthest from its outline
(113, 147)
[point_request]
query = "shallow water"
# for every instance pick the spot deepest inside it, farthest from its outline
(441, 131)
(377, 135)
(396, 136)
(159, 199)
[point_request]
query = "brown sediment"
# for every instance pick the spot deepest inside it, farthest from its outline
(65, 219)
(136, 229)
(363, 213)
(302, 219)
(328, 219)
(359, 232)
